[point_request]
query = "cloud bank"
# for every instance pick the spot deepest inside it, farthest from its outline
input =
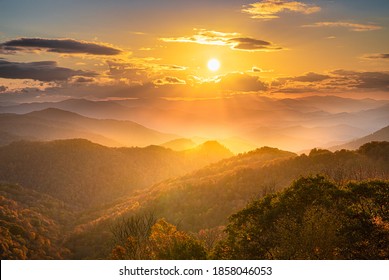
(41, 70)
(67, 46)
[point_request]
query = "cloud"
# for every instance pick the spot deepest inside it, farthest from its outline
(335, 81)
(297, 90)
(257, 70)
(40, 70)
(81, 79)
(233, 40)
(250, 44)
(169, 81)
(377, 56)
(349, 25)
(270, 9)
(242, 82)
(68, 46)
(171, 67)
(366, 80)
(311, 77)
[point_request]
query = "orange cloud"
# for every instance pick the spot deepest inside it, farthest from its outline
(169, 81)
(350, 25)
(242, 83)
(235, 41)
(269, 9)
(334, 81)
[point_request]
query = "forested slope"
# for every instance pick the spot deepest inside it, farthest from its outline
(87, 174)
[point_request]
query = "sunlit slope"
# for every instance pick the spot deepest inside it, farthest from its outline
(84, 173)
(208, 196)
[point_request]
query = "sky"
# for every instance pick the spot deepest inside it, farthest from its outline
(53, 50)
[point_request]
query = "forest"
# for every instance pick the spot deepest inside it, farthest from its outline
(73, 199)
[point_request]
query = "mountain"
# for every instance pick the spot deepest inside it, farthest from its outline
(276, 116)
(65, 207)
(52, 124)
(93, 109)
(238, 145)
(380, 135)
(204, 199)
(87, 174)
(297, 138)
(234, 144)
(180, 144)
(331, 104)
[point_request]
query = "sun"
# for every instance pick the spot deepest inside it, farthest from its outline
(213, 64)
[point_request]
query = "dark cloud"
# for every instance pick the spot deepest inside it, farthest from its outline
(3, 88)
(69, 46)
(40, 70)
(242, 82)
(311, 77)
(293, 90)
(250, 44)
(377, 80)
(378, 56)
(169, 81)
(82, 80)
(366, 80)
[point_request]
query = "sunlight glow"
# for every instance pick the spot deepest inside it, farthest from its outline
(213, 64)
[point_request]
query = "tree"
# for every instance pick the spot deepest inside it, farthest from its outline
(142, 237)
(131, 236)
(168, 243)
(313, 219)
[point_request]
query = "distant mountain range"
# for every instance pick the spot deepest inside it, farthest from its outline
(292, 124)
(380, 135)
(51, 124)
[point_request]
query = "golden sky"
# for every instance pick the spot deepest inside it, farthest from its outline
(135, 49)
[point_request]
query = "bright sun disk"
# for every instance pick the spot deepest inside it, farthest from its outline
(213, 64)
